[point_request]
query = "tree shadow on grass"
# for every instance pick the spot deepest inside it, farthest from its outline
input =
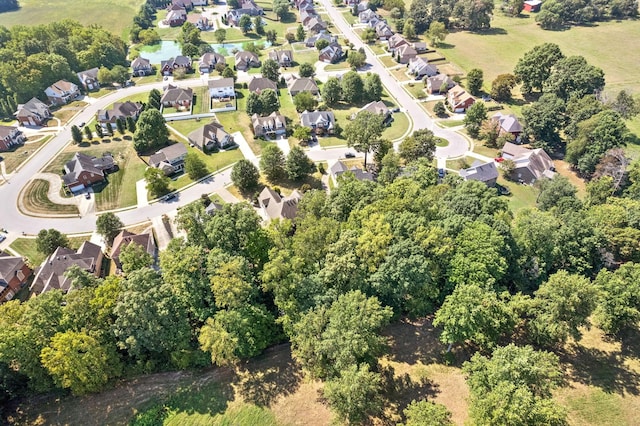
(263, 380)
(606, 370)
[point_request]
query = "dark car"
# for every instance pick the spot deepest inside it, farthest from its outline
(441, 173)
(87, 195)
(503, 190)
(169, 197)
(349, 155)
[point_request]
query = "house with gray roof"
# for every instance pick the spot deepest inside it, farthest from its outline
(420, 68)
(331, 54)
(119, 111)
(246, 60)
(378, 108)
(177, 97)
(11, 136)
(210, 136)
(508, 124)
(530, 164)
(315, 25)
(141, 67)
(273, 124)
(486, 173)
(209, 60)
(83, 171)
(383, 31)
(320, 122)
(437, 82)
(395, 41)
(314, 38)
(51, 274)
(338, 168)
(179, 62)
(222, 88)
(62, 92)
(14, 273)
(126, 238)
(169, 159)
(303, 84)
(366, 16)
(33, 113)
(258, 84)
(274, 206)
(89, 79)
(284, 58)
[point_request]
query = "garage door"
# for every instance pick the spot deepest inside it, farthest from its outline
(77, 188)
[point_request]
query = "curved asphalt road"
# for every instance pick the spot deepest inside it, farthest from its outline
(458, 145)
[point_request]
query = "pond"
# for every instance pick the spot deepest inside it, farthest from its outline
(169, 48)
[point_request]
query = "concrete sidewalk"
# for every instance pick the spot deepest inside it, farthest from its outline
(245, 148)
(141, 193)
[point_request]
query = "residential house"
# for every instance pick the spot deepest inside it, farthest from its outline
(304, 84)
(315, 25)
(405, 53)
(508, 124)
(209, 60)
(89, 79)
(273, 124)
(126, 238)
(119, 111)
(141, 67)
(14, 274)
(284, 58)
(383, 31)
(339, 168)
(246, 60)
(177, 97)
(33, 113)
(420, 46)
(179, 62)
(367, 16)
(420, 68)
(532, 5)
(222, 88)
(320, 122)
(351, 3)
(83, 171)
(258, 84)
(530, 164)
(275, 206)
(438, 82)
(331, 54)
(395, 41)
(486, 173)
(200, 21)
(51, 274)
(185, 4)
(62, 92)
(459, 100)
(378, 108)
(10, 136)
(200, 2)
(362, 6)
(304, 5)
(247, 7)
(313, 39)
(176, 16)
(169, 159)
(306, 15)
(210, 136)
(213, 208)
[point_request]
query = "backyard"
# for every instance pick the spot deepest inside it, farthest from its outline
(26, 247)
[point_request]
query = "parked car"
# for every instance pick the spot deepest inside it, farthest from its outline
(499, 159)
(441, 173)
(81, 124)
(349, 155)
(169, 197)
(2, 238)
(503, 190)
(87, 195)
(396, 109)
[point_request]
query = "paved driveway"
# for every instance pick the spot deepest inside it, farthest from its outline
(245, 148)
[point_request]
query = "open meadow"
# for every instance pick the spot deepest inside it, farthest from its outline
(114, 15)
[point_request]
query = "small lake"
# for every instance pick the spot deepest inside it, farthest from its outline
(169, 48)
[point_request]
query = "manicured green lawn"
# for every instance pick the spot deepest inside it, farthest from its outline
(416, 90)
(521, 197)
(485, 150)
(120, 191)
(15, 157)
(113, 15)
(338, 66)
(185, 127)
(441, 142)
(26, 247)
(388, 61)
(398, 127)
(401, 75)
(450, 123)
(36, 200)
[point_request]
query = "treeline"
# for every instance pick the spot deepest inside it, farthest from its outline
(142, 28)
(350, 263)
(556, 14)
(34, 57)
(6, 5)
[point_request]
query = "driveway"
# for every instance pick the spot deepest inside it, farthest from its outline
(245, 148)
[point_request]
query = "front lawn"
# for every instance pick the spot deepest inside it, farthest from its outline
(338, 66)
(20, 153)
(388, 61)
(416, 90)
(36, 200)
(120, 190)
(398, 128)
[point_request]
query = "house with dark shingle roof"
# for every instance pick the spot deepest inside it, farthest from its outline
(508, 124)
(405, 53)
(119, 111)
(272, 124)
(51, 274)
(339, 168)
(420, 67)
(303, 84)
(210, 136)
(11, 136)
(258, 84)
(378, 108)
(126, 238)
(486, 173)
(246, 60)
(141, 67)
(33, 113)
(320, 122)
(179, 62)
(209, 60)
(437, 82)
(176, 16)
(89, 79)
(315, 25)
(14, 273)
(275, 206)
(177, 97)
(169, 159)
(83, 171)
(383, 31)
(314, 38)
(530, 164)
(284, 58)
(331, 54)
(62, 92)
(395, 41)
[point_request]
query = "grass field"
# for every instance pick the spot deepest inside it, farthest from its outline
(19, 153)
(113, 15)
(26, 247)
(120, 191)
(36, 200)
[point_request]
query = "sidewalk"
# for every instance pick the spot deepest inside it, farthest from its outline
(141, 193)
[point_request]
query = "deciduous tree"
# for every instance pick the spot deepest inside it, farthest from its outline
(272, 162)
(157, 182)
(195, 167)
(151, 131)
(108, 225)
(534, 68)
(355, 394)
(363, 133)
(332, 91)
(475, 78)
(48, 240)
(245, 175)
(298, 164)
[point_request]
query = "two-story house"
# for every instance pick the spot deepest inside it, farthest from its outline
(169, 159)
(273, 124)
(83, 171)
(320, 122)
(210, 136)
(33, 113)
(222, 88)
(11, 136)
(209, 60)
(179, 62)
(246, 60)
(177, 97)
(62, 92)
(89, 79)
(284, 58)
(141, 67)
